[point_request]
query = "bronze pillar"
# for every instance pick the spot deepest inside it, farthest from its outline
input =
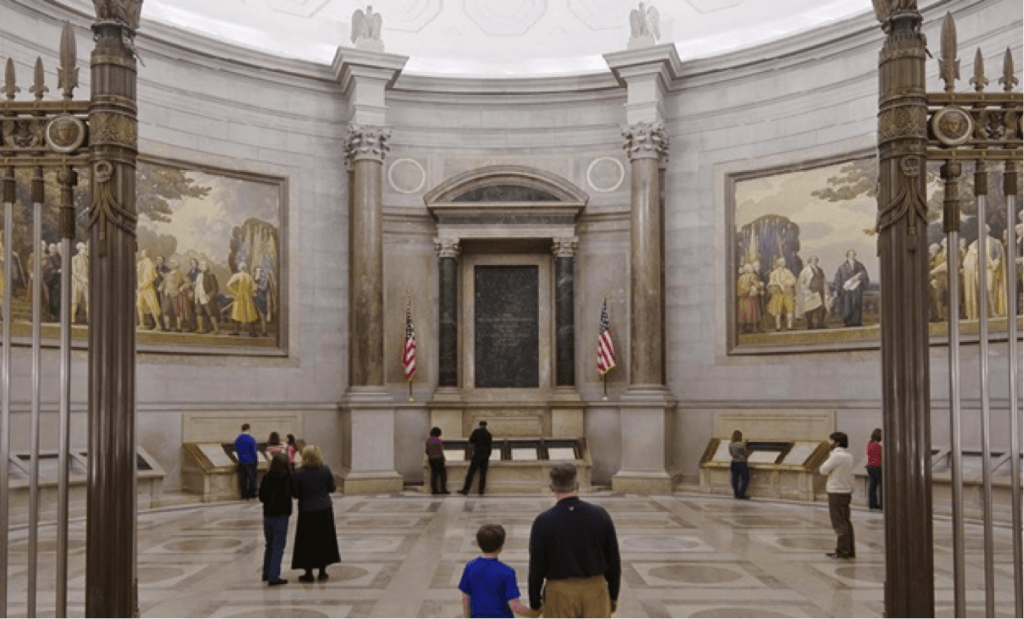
(903, 255)
(367, 147)
(113, 129)
(646, 144)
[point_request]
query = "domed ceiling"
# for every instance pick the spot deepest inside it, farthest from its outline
(498, 38)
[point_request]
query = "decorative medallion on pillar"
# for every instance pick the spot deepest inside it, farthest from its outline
(565, 247)
(645, 140)
(367, 142)
(447, 247)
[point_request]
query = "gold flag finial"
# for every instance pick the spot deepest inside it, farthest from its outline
(39, 88)
(979, 80)
(1008, 80)
(67, 71)
(949, 65)
(10, 81)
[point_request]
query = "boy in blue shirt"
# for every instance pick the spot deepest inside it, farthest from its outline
(488, 586)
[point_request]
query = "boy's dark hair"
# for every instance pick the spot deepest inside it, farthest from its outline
(245, 427)
(435, 431)
(840, 439)
(490, 537)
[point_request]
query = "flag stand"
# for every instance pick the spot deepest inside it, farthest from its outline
(411, 399)
(604, 382)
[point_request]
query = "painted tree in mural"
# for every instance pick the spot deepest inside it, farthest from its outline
(255, 243)
(767, 238)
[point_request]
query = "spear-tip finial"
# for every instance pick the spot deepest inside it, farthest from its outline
(979, 80)
(1008, 80)
(10, 81)
(38, 87)
(67, 71)
(949, 65)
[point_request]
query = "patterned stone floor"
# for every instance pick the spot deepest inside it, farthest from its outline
(402, 555)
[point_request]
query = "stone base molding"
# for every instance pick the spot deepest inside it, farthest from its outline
(647, 421)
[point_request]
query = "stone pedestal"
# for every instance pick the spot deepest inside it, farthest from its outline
(368, 421)
(647, 427)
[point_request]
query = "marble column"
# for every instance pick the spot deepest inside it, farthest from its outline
(368, 413)
(564, 250)
(647, 407)
(448, 312)
(903, 262)
(367, 147)
(646, 144)
(113, 129)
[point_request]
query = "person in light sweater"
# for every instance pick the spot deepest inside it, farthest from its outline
(839, 468)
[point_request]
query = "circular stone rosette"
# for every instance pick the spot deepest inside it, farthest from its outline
(952, 126)
(65, 134)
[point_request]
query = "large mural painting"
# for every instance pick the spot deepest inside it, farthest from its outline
(804, 266)
(208, 265)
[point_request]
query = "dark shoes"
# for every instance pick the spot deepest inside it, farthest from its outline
(836, 555)
(279, 581)
(307, 577)
(323, 575)
(463, 491)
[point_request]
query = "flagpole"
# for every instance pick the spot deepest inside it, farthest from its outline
(411, 399)
(604, 382)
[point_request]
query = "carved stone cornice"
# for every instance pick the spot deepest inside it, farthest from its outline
(565, 247)
(645, 140)
(447, 247)
(367, 142)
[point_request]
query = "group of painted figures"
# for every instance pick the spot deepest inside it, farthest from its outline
(786, 295)
(50, 267)
(168, 299)
(997, 294)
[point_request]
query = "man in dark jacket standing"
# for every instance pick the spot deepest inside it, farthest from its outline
(245, 447)
(573, 547)
(480, 439)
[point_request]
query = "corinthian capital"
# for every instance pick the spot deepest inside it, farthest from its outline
(645, 140)
(447, 247)
(126, 12)
(564, 247)
(367, 142)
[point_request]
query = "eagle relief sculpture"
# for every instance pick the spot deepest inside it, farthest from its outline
(643, 27)
(127, 12)
(366, 30)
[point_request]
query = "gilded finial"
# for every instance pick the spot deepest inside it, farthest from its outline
(1008, 80)
(39, 84)
(10, 81)
(67, 72)
(949, 65)
(979, 80)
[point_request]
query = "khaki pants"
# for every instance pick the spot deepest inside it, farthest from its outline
(577, 597)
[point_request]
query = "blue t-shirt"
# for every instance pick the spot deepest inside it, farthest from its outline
(490, 584)
(245, 445)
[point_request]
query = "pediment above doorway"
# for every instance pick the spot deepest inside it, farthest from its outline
(508, 196)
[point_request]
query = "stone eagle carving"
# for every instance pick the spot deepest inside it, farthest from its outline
(127, 12)
(366, 25)
(644, 22)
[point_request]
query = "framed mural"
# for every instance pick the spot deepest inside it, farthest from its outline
(803, 268)
(209, 263)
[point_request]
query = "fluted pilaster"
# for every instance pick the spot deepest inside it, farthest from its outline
(448, 250)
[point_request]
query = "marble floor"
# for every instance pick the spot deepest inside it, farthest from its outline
(402, 555)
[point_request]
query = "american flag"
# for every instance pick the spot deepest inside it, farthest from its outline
(409, 350)
(605, 345)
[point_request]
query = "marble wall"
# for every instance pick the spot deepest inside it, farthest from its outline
(807, 98)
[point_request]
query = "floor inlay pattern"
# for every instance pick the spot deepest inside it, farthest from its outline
(402, 556)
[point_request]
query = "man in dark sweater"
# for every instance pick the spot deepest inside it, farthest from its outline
(480, 439)
(574, 548)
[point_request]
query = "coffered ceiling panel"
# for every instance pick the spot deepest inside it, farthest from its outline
(498, 38)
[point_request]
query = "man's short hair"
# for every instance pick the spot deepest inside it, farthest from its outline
(483, 424)
(840, 439)
(490, 537)
(245, 427)
(563, 477)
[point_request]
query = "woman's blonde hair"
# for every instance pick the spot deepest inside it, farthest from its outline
(311, 457)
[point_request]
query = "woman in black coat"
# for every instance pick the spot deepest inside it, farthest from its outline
(316, 541)
(276, 496)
